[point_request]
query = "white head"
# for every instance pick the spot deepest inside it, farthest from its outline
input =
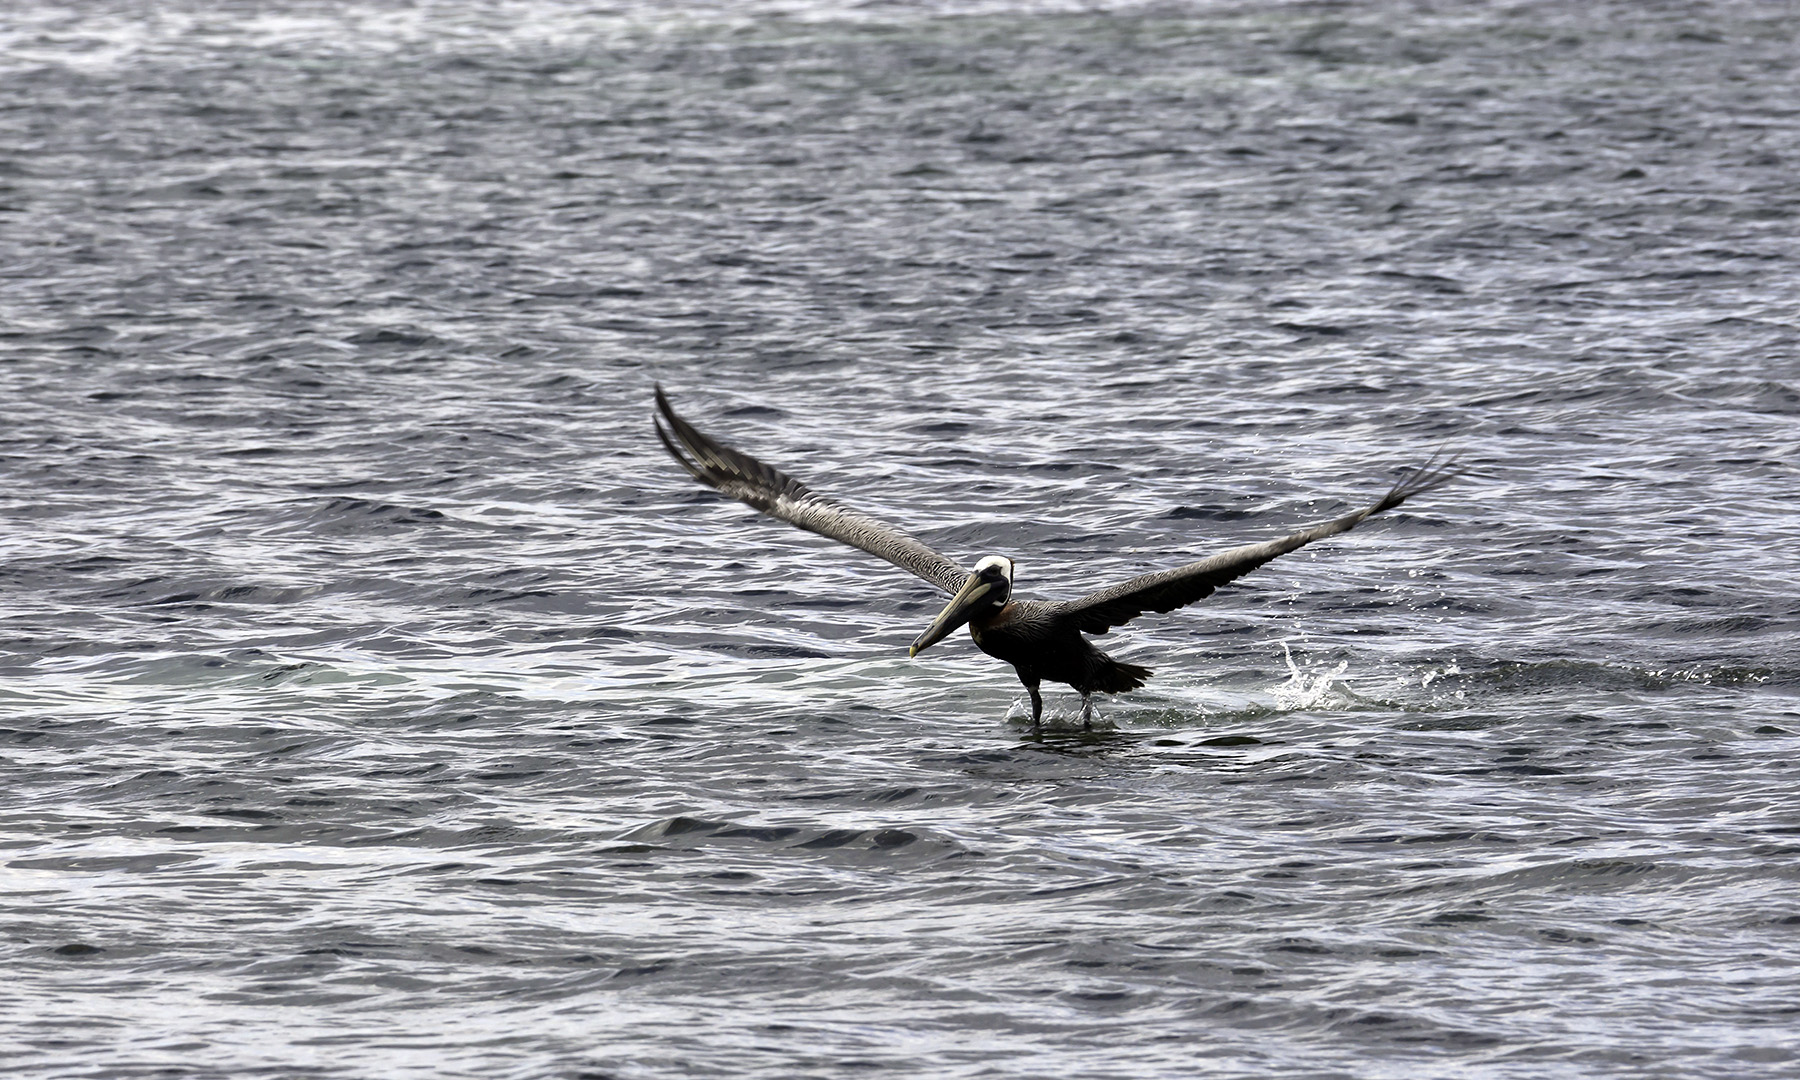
(999, 563)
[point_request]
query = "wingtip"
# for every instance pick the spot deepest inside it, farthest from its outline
(662, 413)
(681, 429)
(1437, 470)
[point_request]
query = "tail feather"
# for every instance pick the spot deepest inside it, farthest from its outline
(1116, 678)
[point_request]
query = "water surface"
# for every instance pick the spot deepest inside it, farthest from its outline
(379, 700)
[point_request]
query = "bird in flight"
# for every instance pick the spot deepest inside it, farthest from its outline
(1042, 640)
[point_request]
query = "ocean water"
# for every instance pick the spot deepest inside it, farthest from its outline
(377, 699)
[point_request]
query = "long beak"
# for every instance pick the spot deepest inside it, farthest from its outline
(955, 613)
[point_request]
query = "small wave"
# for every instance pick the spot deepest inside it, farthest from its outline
(683, 831)
(349, 514)
(1599, 675)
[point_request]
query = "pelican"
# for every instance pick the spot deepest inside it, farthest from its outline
(1042, 640)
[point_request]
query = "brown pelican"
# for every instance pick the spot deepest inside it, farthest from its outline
(1040, 639)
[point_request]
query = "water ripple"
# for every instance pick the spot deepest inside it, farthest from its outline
(366, 660)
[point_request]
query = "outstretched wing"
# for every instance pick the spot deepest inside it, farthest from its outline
(1098, 612)
(779, 495)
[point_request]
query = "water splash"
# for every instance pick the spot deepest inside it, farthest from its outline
(1431, 675)
(1304, 690)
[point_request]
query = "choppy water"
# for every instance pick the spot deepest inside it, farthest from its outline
(378, 700)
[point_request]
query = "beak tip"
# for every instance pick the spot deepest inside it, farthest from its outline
(912, 651)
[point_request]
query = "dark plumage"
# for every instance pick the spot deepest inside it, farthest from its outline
(1042, 640)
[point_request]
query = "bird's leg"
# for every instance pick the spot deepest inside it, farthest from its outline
(1087, 713)
(1037, 705)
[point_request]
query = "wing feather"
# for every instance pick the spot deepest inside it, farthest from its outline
(780, 496)
(1167, 590)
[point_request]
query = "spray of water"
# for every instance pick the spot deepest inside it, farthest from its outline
(1307, 691)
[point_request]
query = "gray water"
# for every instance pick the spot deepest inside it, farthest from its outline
(377, 700)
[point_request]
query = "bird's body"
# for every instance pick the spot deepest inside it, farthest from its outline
(1043, 640)
(1043, 646)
